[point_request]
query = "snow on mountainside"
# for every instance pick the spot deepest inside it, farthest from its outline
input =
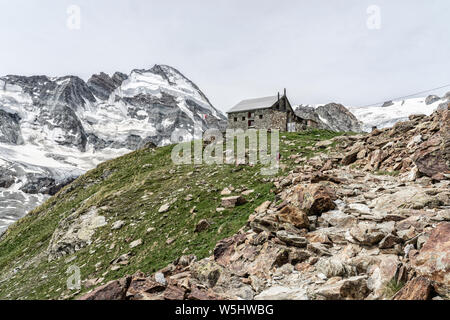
(394, 111)
(339, 118)
(54, 129)
(331, 116)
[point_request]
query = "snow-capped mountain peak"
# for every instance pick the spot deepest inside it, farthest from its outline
(52, 129)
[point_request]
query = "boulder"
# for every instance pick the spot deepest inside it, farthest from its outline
(141, 288)
(419, 288)
(135, 243)
(293, 215)
(354, 288)
(367, 233)
(431, 99)
(263, 207)
(118, 225)
(164, 208)
(206, 271)
(381, 273)
(202, 225)
(292, 239)
(113, 290)
(231, 202)
(316, 199)
(350, 157)
(225, 192)
(433, 260)
(334, 267)
(74, 232)
(430, 158)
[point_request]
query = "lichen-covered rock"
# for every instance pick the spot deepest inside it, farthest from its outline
(74, 232)
(433, 260)
(316, 199)
(231, 202)
(293, 215)
(419, 288)
(350, 288)
(113, 290)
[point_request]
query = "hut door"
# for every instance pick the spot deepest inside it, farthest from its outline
(291, 127)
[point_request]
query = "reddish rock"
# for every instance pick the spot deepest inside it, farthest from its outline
(433, 260)
(140, 286)
(350, 157)
(419, 288)
(174, 293)
(202, 225)
(245, 260)
(113, 290)
(202, 294)
(298, 218)
(430, 158)
(316, 199)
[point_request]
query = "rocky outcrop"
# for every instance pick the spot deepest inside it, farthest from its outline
(433, 259)
(74, 233)
(339, 118)
(419, 288)
(331, 116)
(420, 146)
(102, 85)
(9, 128)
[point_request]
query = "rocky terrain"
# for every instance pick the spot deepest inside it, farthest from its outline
(370, 219)
(52, 130)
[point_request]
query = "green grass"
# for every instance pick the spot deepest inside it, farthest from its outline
(392, 287)
(138, 184)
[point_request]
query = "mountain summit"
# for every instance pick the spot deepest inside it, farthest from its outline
(52, 129)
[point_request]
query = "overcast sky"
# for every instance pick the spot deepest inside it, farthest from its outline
(355, 52)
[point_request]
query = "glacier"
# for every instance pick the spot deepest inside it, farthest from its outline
(53, 129)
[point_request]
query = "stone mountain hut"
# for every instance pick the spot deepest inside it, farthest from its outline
(270, 113)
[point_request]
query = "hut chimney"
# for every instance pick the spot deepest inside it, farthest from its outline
(284, 91)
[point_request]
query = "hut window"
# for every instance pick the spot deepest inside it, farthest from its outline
(243, 118)
(260, 116)
(235, 119)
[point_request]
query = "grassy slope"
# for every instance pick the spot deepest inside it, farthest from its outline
(138, 185)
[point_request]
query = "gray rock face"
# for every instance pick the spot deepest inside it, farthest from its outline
(39, 183)
(443, 106)
(9, 128)
(387, 104)
(102, 85)
(310, 113)
(431, 99)
(332, 116)
(339, 118)
(6, 178)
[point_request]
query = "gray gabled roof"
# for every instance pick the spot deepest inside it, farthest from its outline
(254, 104)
